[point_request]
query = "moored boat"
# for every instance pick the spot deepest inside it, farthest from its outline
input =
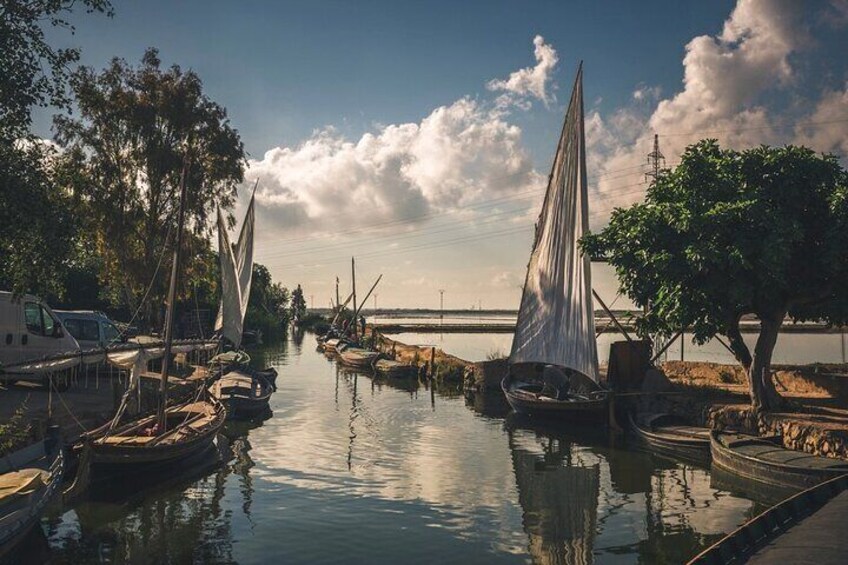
(764, 460)
(667, 434)
(29, 479)
(394, 369)
(553, 364)
(243, 394)
(358, 358)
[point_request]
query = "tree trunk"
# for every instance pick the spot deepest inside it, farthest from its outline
(764, 395)
(737, 344)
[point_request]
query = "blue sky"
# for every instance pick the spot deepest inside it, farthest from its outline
(417, 135)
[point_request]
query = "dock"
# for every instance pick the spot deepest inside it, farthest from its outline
(815, 540)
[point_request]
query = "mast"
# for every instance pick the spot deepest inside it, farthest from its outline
(172, 294)
(353, 278)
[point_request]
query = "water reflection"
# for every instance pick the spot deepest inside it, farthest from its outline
(361, 469)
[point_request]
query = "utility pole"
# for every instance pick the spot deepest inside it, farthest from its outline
(654, 158)
(353, 282)
(338, 304)
(312, 302)
(441, 303)
(375, 304)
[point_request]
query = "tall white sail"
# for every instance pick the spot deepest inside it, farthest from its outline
(231, 322)
(242, 266)
(556, 323)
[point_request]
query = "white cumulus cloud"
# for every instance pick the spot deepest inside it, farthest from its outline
(529, 82)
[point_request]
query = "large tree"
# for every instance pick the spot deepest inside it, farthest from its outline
(37, 227)
(137, 126)
(33, 72)
(728, 234)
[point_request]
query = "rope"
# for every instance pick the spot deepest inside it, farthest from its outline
(67, 408)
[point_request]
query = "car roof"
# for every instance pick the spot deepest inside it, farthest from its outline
(82, 314)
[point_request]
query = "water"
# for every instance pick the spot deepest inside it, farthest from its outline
(351, 470)
(792, 348)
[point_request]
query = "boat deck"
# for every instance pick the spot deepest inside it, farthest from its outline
(815, 540)
(772, 453)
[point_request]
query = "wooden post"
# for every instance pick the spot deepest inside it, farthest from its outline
(682, 342)
(432, 362)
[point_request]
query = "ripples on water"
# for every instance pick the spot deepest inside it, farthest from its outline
(349, 469)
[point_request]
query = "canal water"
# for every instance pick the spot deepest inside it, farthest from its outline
(349, 469)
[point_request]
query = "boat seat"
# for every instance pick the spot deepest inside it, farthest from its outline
(21, 484)
(117, 440)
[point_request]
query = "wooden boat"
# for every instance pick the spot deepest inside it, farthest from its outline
(244, 395)
(139, 445)
(667, 434)
(330, 345)
(29, 479)
(764, 460)
(741, 544)
(393, 369)
(528, 399)
(555, 329)
(175, 432)
(357, 358)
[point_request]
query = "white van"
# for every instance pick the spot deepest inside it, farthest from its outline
(90, 328)
(29, 330)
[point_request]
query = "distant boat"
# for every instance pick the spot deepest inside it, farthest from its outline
(394, 369)
(667, 434)
(556, 324)
(764, 460)
(358, 358)
(29, 479)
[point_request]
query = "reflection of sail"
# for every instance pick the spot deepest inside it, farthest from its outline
(559, 502)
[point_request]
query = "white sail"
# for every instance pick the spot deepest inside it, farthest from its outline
(556, 323)
(242, 263)
(231, 318)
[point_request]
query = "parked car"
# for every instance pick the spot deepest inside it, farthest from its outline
(30, 330)
(90, 328)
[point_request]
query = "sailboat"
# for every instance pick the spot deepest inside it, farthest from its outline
(175, 432)
(244, 391)
(553, 363)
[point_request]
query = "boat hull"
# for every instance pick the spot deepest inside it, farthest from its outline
(780, 475)
(109, 459)
(696, 450)
(594, 410)
(358, 359)
(17, 523)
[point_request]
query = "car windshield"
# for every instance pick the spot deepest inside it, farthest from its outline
(82, 330)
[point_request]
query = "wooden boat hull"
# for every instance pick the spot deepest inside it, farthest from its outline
(245, 394)
(677, 446)
(108, 458)
(358, 358)
(762, 461)
(593, 410)
(17, 521)
(395, 370)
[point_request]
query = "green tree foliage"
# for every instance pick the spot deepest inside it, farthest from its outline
(268, 308)
(298, 305)
(32, 72)
(137, 127)
(37, 228)
(726, 234)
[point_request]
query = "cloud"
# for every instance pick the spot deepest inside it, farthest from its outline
(741, 86)
(529, 82)
(647, 93)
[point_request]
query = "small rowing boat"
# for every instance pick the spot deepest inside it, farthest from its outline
(244, 395)
(394, 369)
(667, 434)
(357, 358)
(764, 460)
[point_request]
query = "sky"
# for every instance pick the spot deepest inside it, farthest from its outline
(418, 136)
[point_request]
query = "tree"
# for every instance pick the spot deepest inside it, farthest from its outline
(137, 128)
(37, 228)
(32, 73)
(298, 305)
(269, 302)
(728, 234)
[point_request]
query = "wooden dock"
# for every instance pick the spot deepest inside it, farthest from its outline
(818, 539)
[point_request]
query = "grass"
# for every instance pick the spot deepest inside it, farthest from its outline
(15, 433)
